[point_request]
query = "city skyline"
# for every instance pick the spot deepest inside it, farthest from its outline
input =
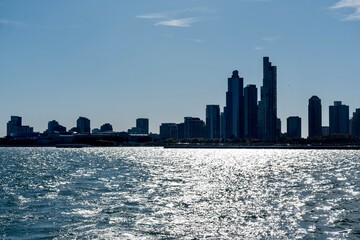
(115, 62)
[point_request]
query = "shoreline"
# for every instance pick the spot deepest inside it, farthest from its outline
(203, 146)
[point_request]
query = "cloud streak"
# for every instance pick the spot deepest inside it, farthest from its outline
(181, 22)
(179, 18)
(346, 4)
(4, 21)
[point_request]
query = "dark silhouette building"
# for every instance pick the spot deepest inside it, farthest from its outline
(15, 128)
(267, 109)
(168, 130)
(181, 130)
(194, 128)
(338, 118)
(213, 121)
(54, 126)
(107, 127)
(83, 125)
(142, 125)
(294, 127)
(355, 123)
(314, 117)
(250, 111)
(234, 109)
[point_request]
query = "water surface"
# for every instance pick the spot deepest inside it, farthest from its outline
(156, 193)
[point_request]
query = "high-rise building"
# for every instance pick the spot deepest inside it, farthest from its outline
(339, 118)
(142, 125)
(169, 130)
(16, 129)
(234, 110)
(355, 123)
(213, 121)
(83, 125)
(267, 109)
(194, 128)
(54, 126)
(222, 125)
(14, 125)
(314, 117)
(181, 130)
(250, 111)
(294, 127)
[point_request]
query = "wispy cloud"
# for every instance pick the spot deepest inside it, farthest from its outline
(181, 22)
(270, 39)
(152, 16)
(4, 21)
(349, 4)
(178, 18)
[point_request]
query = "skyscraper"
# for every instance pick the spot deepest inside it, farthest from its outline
(314, 117)
(294, 127)
(267, 109)
(234, 110)
(250, 111)
(339, 118)
(83, 125)
(142, 125)
(212, 121)
(355, 123)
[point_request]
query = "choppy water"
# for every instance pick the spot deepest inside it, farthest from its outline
(155, 193)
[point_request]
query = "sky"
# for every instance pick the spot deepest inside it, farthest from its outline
(115, 60)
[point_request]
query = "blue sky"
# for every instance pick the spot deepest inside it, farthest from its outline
(115, 60)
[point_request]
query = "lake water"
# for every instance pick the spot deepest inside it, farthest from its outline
(156, 193)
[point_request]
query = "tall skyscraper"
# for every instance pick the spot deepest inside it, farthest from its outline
(250, 111)
(355, 123)
(234, 110)
(267, 109)
(314, 117)
(294, 127)
(339, 118)
(83, 125)
(142, 125)
(212, 121)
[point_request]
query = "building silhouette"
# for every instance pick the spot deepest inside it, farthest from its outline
(355, 123)
(181, 130)
(169, 130)
(212, 121)
(314, 117)
(142, 125)
(338, 118)
(294, 127)
(234, 109)
(194, 128)
(250, 111)
(267, 109)
(83, 125)
(54, 126)
(107, 127)
(14, 128)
